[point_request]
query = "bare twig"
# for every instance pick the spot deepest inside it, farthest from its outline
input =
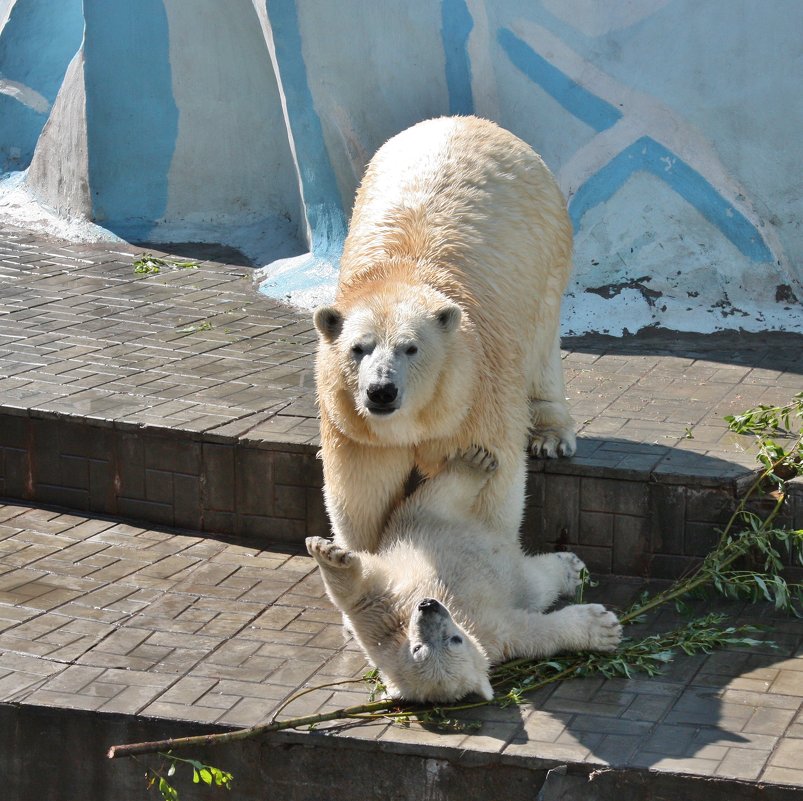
(176, 743)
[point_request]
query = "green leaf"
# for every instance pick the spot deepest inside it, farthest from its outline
(663, 656)
(191, 329)
(169, 793)
(762, 584)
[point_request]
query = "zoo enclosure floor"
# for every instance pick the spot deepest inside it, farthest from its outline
(174, 415)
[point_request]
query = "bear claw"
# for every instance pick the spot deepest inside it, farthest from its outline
(478, 457)
(552, 444)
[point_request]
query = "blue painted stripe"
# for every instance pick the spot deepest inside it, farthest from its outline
(322, 203)
(577, 100)
(647, 155)
(132, 117)
(38, 41)
(305, 277)
(456, 25)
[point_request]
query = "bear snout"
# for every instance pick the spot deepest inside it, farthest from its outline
(382, 396)
(429, 605)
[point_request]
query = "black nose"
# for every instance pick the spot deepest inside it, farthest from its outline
(427, 603)
(382, 393)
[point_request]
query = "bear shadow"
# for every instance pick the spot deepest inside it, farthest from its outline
(685, 719)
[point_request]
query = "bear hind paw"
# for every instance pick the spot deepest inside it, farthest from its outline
(573, 568)
(551, 444)
(603, 628)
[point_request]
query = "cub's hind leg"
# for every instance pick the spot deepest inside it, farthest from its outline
(550, 576)
(578, 627)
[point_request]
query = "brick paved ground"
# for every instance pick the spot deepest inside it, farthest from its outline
(184, 398)
(100, 615)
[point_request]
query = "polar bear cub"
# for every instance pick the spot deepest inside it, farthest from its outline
(441, 600)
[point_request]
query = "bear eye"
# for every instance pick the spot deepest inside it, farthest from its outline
(412, 350)
(416, 648)
(357, 350)
(456, 640)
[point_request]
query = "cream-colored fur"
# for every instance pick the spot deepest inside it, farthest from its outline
(458, 253)
(442, 599)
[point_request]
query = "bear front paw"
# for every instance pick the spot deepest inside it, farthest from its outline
(573, 567)
(602, 628)
(550, 444)
(478, 458)
(326, 552)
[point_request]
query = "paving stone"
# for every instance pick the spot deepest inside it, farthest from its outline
(787, 755)
(790, 776)
(789, 682)
(248, 712)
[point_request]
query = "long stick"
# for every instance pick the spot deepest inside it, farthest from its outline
(132, 749)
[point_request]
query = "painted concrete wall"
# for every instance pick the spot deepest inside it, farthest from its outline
(37, 40)
(673, 126)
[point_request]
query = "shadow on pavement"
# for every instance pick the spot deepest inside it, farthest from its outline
(772, 350)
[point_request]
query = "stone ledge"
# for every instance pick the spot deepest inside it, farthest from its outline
(618, 520)
(299, 767)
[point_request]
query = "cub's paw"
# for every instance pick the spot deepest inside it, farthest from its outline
(478, 458)
(572, 567)
(602, 629)
(326, 552)
(552, 443)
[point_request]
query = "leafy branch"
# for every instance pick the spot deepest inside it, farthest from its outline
(201, 774)
(763, 418)
(195, 327)
(148, 264)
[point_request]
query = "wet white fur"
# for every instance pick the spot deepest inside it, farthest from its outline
(459, 244)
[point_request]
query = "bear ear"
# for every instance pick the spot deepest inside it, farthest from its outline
(485, 690)
(329, 322)
(449, 317)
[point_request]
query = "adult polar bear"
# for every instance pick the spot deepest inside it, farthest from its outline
(444, 330)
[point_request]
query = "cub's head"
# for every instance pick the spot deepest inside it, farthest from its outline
(389, 353)
(437, 661)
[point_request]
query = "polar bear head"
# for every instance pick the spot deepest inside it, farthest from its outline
(392, 362)
(436, 661)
